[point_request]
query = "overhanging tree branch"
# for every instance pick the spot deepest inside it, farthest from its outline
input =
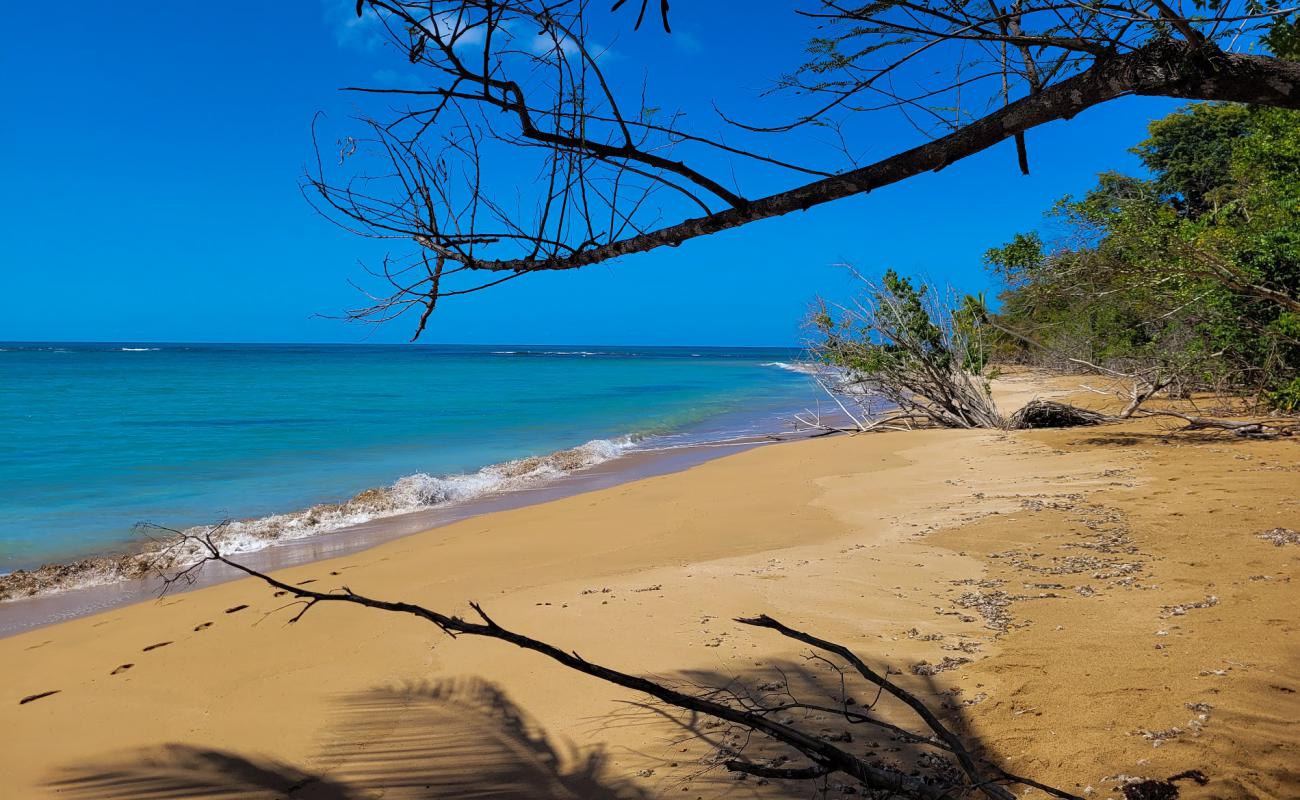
(1167, 69)
(503, 83)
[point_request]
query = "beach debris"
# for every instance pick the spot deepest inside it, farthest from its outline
(1183, 608)
(913, 633)
(925, 668)
(1152, 789)
(1039, 413)
(1279, 536)
(1054, 502)
(1157, 738)
(29, 698)
(976, 700)
(991, 605)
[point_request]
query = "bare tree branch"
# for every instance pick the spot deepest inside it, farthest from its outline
(505, 80)
(755, 714)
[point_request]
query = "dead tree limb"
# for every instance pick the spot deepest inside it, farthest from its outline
(822, 757)
(1276, 426)
(617, 175)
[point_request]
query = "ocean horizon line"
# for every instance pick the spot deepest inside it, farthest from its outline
(28, 342)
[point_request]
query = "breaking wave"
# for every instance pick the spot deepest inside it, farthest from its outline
(802, 367)
(411, 493)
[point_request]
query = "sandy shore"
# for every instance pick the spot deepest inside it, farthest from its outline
(1118, 610)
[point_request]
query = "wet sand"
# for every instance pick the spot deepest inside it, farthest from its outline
(1102, 598)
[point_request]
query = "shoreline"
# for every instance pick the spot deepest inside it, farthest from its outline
(57, 603)
(334, 436)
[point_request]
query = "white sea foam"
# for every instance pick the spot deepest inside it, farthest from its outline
(802, 367)
(583, 353)
(138, 349)
(411, 493)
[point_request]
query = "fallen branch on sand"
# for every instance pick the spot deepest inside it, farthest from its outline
(1274, 426)
(955, 772)
(1039, 413)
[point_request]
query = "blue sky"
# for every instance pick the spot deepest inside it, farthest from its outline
(151, 155)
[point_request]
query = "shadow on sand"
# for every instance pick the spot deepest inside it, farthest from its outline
(808, 682)
(457, 738)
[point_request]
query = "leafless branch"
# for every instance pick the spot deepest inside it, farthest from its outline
(518, 88)
(752, 713)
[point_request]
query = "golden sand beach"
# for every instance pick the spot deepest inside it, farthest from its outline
(1093, 603)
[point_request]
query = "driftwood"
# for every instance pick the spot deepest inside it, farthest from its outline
(965, 775)
(1267, 428)
(1038, 413)
(1049, 414)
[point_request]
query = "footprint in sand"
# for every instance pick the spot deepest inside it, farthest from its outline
(233, 609)
(304, 583)
(202, 627)
(155, 646)
(121, 669)
(29, 698)
(280, 594)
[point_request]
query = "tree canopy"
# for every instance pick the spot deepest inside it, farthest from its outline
(1194, 271)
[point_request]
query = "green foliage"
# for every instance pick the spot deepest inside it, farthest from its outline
(924, 355)
(905, 333)
(1285, 398)
(1283, 38)
(1194, 271)
(902, 309)
(1191, 152)
(1018, 261)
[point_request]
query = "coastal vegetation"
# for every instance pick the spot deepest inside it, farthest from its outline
(1186, 281)
(1189, 277)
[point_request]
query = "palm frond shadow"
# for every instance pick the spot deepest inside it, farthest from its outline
(461, 738)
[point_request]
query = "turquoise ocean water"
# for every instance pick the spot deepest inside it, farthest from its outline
(97, 437)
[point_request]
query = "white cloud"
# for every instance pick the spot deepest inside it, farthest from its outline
(366, 32)
(467, 35)
(350, 31)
